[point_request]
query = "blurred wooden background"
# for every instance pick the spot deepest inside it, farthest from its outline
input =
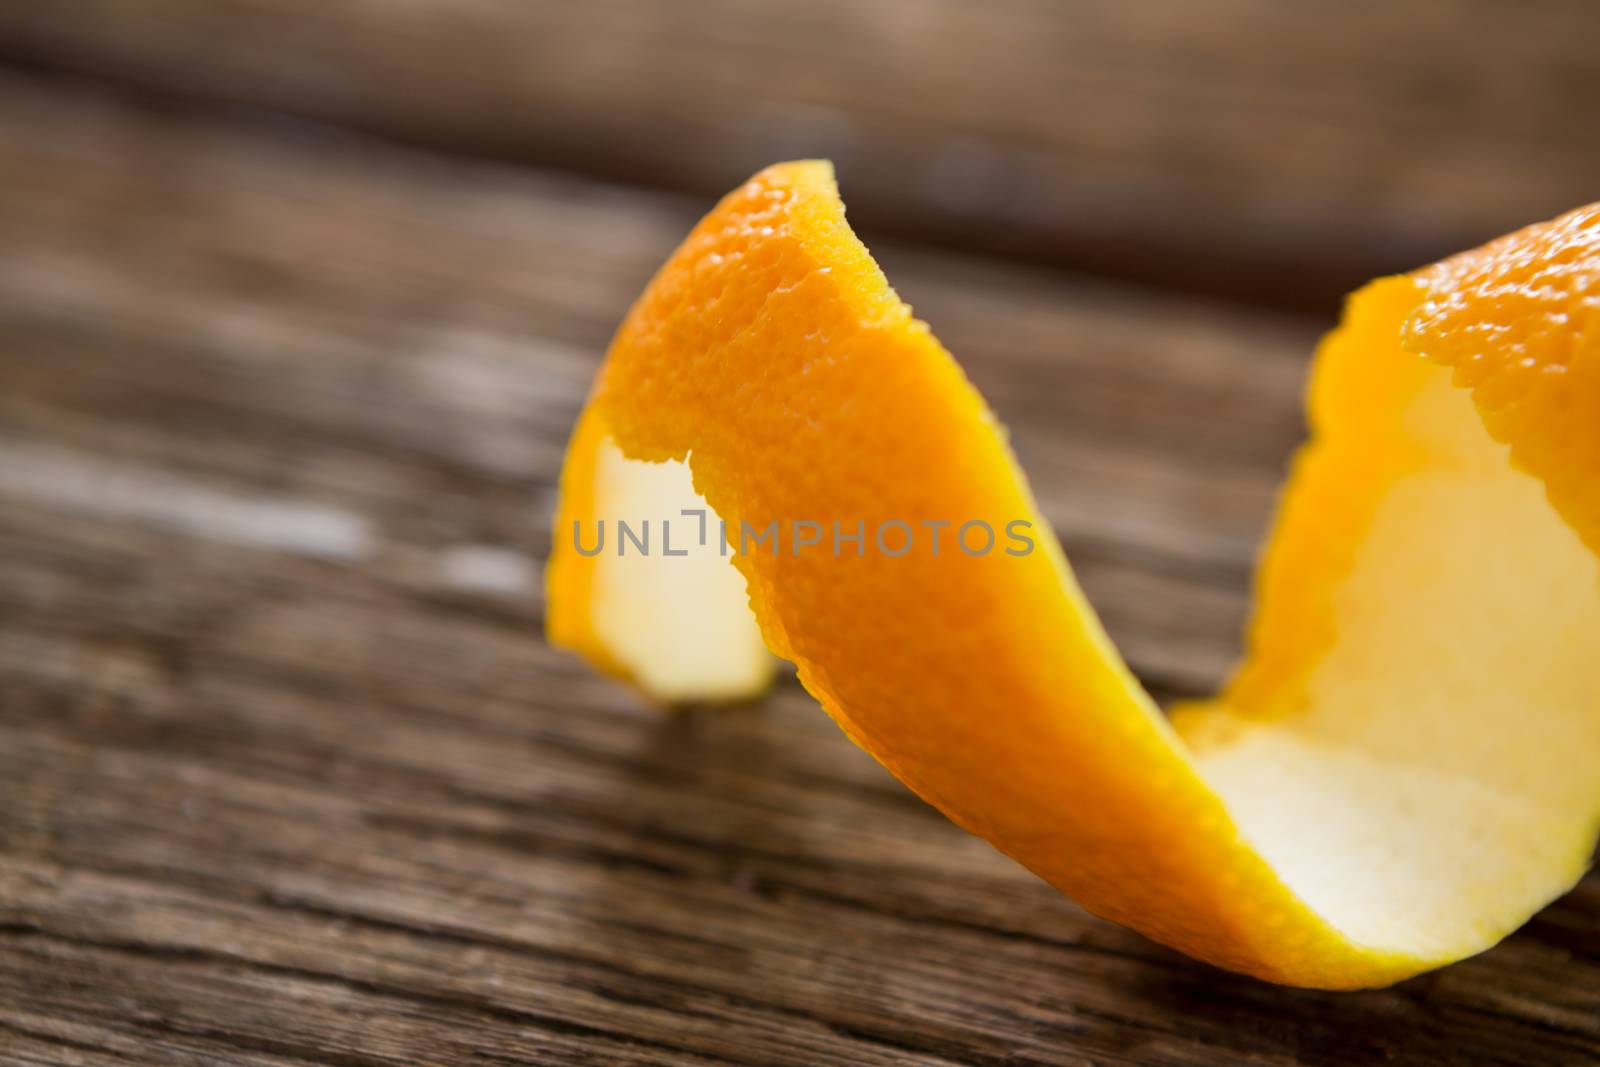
(1269, 152)
(297, 303)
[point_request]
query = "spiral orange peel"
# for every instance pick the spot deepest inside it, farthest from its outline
(1404, 768)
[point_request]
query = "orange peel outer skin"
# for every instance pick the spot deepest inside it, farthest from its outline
(770, 352)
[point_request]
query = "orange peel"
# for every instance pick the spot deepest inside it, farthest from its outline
(1404, 768)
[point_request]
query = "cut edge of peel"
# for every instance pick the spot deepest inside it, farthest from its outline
(1167, 856)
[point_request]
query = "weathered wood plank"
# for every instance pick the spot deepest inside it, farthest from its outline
(203, 294)
(287, 776)
(1265, 150)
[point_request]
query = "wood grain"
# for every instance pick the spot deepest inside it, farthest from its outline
(287, 775)
(1268, 151)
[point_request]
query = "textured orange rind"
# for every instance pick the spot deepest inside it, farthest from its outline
(1402, 770)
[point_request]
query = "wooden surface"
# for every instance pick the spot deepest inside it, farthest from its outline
(288, 776)
(1261, 149)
